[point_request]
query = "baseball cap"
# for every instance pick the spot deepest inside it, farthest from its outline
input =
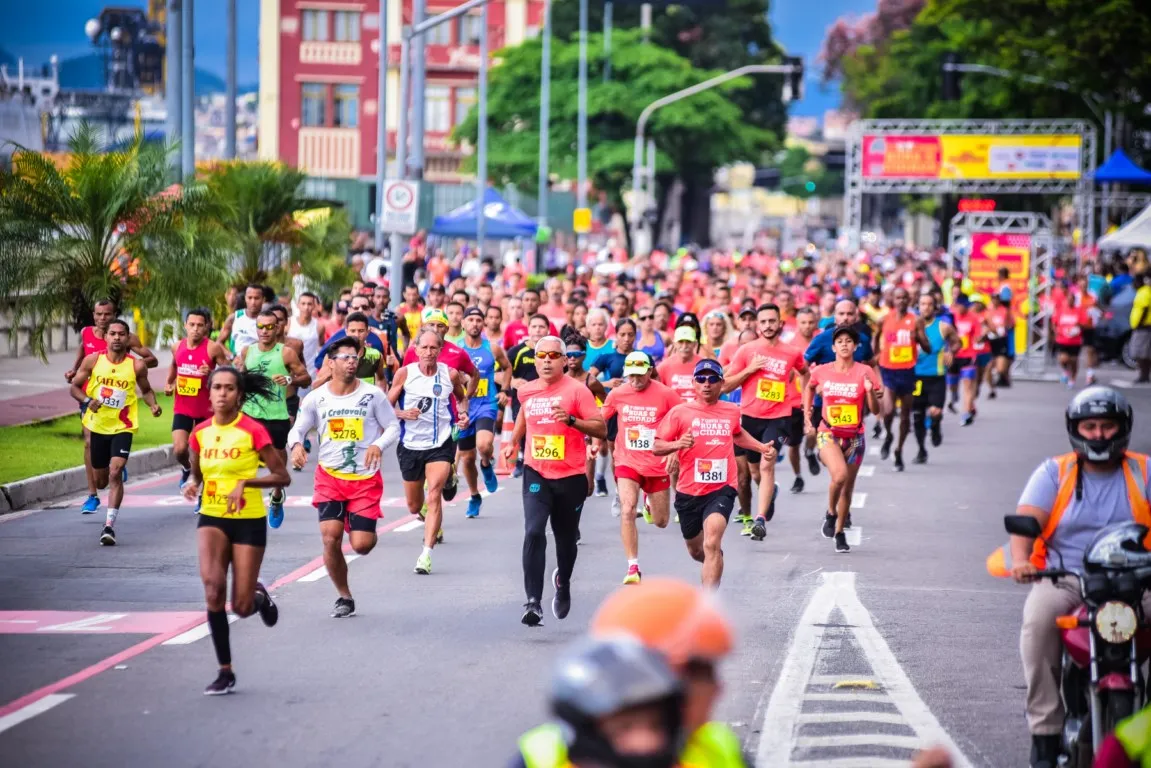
(437, 288)
(636, 364)
(685, 333)
(473, 312)
(848, 329)
(433, 315)
(707, 365)
(747, 311)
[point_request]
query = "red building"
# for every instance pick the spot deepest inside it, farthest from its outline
(319, 70)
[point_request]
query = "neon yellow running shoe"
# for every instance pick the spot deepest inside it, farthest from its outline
(440, 536)
(423, 564)
(633, 575)
(746, 527)
(645, 510)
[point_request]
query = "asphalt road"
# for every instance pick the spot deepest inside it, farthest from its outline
(437, 670)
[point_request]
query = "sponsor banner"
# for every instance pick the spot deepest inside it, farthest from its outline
(971, 157)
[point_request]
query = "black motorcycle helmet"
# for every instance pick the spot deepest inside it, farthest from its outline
(606, 676)
(1099, 402)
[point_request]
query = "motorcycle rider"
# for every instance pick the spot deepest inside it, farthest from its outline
(619, 705)
(1074, 497)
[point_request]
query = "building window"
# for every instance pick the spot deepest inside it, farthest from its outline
(440, 35)
(313, 105)
(347, 26)
(465, 100)
(315, 26)
(346, 106)
(471, 27)
(438, 109)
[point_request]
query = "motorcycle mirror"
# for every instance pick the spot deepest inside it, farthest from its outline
(1022, 525)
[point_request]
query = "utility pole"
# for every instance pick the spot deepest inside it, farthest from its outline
(188, 113)
(230, 87)
(545, 119)
(396, 269)
(173, 79)
(482, 138)
(419, 90)
(607, 8)
(581, 113)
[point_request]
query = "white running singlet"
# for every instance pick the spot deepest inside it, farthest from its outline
(433, 396)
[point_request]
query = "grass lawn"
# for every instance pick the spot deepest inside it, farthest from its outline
(37, 449)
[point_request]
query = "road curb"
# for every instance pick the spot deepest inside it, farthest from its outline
(18, 495)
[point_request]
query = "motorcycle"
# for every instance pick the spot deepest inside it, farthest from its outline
(1107, 641)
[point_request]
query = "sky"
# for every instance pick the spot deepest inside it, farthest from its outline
(57, 26)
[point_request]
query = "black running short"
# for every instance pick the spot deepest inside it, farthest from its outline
(999, 347)
(1071, 350)
(105, 447)
(612, 429)
(693, 510)
(252, 531)
(766, 431)
(278, 430)
(796, 426)
(413, 461)
(469, 443)
(930, 392)
(182, 423)
(338, 510)
(293, 403)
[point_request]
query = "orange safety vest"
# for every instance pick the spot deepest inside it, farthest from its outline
(1134, 468)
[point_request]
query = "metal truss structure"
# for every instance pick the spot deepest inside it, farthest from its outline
(1033, 361)
(1081, 189)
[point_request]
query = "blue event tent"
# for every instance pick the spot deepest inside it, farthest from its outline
(1119, 169)
(503, 222)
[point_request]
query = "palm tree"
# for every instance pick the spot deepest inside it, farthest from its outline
(106, 225)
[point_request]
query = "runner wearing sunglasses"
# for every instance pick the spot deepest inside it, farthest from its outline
(704, 434)
(576, 356)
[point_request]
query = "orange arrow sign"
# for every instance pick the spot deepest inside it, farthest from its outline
(992, 250)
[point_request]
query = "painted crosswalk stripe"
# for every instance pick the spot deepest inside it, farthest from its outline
(90, 624)
(410, 526)
(38, 707)
(867, 470)
(322, 572)
(198, 632)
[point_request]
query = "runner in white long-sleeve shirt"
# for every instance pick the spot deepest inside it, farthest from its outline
(355, 423)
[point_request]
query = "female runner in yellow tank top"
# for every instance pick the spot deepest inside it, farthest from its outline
(226, 452)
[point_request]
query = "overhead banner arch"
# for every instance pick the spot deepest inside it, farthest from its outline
(930, 157)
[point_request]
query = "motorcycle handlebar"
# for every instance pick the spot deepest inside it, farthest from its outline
(1054, 573)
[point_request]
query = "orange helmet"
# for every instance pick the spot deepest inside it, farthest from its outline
(675, 617)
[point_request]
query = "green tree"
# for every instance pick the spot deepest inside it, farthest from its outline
(693, 137)
(106, 225)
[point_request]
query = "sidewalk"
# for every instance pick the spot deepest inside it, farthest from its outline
(31, 390)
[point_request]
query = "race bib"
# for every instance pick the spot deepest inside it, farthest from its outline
(548, 447)
(770, 390)
(964, 342)
(843, 415)
(112, 397)
(640, 438)
(187, 386)
(482, 388)
(711, 471)
(902, 354)
(1071, 331)
(346, 429)
(216, 495)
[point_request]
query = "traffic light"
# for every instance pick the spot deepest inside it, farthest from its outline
(793, 81)
(950, 77)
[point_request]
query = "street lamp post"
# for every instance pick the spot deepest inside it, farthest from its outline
(173, 77)
(645, 115)
(545, 121)
(188, 109)
(230, 87)
(581, 112)
(482, 135)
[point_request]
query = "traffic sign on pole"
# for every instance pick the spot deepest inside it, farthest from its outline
(581, 221)
(401, 206)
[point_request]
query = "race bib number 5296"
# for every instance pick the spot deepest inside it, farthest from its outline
(548, 447)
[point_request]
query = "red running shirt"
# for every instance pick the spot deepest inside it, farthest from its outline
(844, 396)
(554, 449)
(639, 415)
(679, 376)
(764, 393)
(709, 464)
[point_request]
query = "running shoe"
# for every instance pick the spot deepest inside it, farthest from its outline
(124, 474)
(91, 504)
(813, 463)
(452, 485)
(184, 475)
(108, 537)
(423, 564)
(899, 461)
(491, 482)
(423, 511)
(676, 520)
(269, 613)
(759, 529)
(847, 521)
(921, 457)
(645, 510)
(533, 615)
(440, 536)
(474, 506)
(562, 599)
(878, 429)
(771, 506)
(797, 486)
(344, 607)
(1091, 379)
(519, 472)
(224, 683)
(275, 510)
(967, 419)
(828, 528)
(616, 507)
(951, 407)
(746, 531)
(841, 543)
(936, 433)
(600, 487)
(885, 449)
(991, 395)
(633, 575)
(199, 503)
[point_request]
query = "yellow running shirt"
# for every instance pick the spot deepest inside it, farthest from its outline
(113, 385)
(230, 453)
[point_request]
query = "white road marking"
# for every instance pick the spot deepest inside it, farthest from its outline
(850, 717)
(198, 632)
(409, 526)
(867, 470)
(322, 571)
(851, 762)
(873, 450)
(854, 535)
(858, 500)
(85, 625)
(833, 679)
(778, 734)
(859, 740)
(38, 707)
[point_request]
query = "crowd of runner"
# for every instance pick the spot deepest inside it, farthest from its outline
(675, 386)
